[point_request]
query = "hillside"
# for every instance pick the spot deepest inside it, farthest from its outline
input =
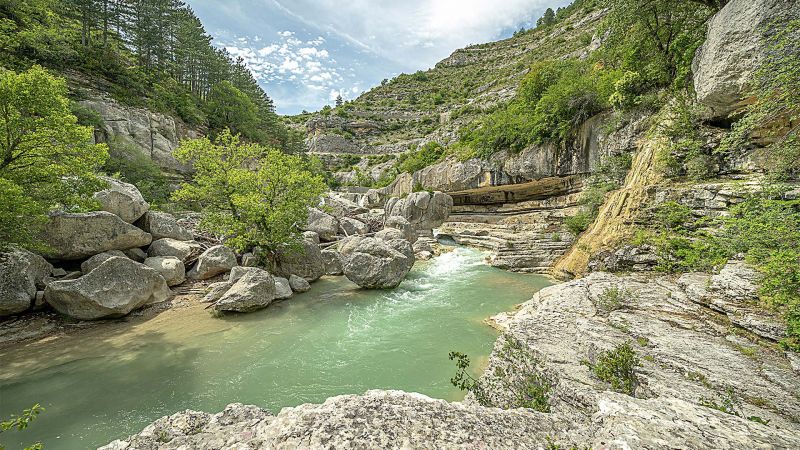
(410, 110)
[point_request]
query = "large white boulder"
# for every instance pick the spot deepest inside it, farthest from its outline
(22, 273)
(735, 46)
(113, 289)
(375, 263)
(305, 262)
(122, 199)
(170, 267)
(250, 289)
(78, 236)
(423, 210)
(162, 225)
(214, 261)
(183, 250)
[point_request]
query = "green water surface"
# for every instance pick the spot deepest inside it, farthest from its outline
(335, 339)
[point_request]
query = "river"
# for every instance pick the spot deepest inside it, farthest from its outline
(336, 339)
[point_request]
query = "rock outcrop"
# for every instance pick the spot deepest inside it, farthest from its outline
(122, 199)
(690, 357)
(214, 261)
(22, 274)
(375, 263)
(399, 420)
(137, 132)
(735, 45)
(113, 289)
(163, 226)
(78, 236)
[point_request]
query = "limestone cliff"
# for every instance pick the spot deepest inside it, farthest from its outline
(131, 131)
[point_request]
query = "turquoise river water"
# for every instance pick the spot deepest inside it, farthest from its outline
(110, 381)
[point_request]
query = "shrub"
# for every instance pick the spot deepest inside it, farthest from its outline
(553, 100)
(617, 367)
(516, 382)
(142, 172)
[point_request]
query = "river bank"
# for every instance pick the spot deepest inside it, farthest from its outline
(112, 378)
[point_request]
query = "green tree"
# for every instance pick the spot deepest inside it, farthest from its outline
(547, 19)
(230, 108)
(250, 194)
(47, 160)
(657, 38)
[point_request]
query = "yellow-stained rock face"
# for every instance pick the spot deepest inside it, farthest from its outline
(614, 222)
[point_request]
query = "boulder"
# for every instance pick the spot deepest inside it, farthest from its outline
(372, 199)
(170, 267)
(79, 236)
(405, 227)
(340, 207)
(113, 289)
(311, 236)
(734, 47)
(389, 234)
(249, 260)
(423, 210)
(136, 254)
(737, 281)
(163, 226)
(22, 273)
(299, 284)
(374, 219)
(183, 250)
(324, 224)
(122, 199)
(215, 291)
(305, 262)
(374, 263)
(214, 261)
(351, 227)
(250, 289)
(95, 261)
(283, 289)
(332, 262)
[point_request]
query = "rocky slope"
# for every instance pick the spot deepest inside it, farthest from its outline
(698, 344)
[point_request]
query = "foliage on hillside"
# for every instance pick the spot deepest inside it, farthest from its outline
(152, 53)
(47, 160)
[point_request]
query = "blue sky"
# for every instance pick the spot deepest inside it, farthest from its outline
(306, 52)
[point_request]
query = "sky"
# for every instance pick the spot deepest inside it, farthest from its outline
(305, 53)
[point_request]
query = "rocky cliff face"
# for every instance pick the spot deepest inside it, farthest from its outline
(733, 49)
(130, 131)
